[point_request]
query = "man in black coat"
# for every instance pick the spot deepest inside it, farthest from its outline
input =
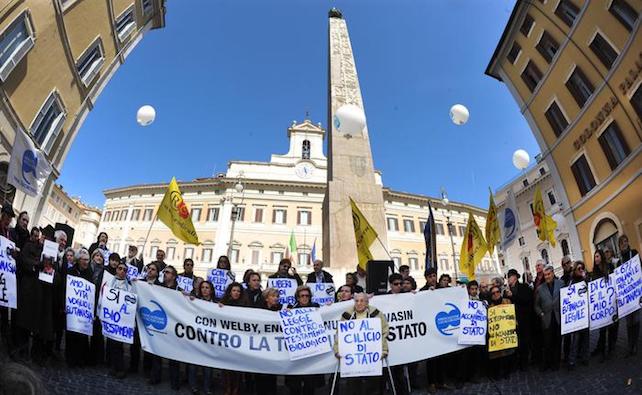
(319, 275)
(521, 295)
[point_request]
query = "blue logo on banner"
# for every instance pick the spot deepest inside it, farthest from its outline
(447, 322)
(509, 223)
(29, 165)
(155, 320)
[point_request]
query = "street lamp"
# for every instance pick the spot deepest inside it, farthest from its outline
(235, 213)
(445, 202)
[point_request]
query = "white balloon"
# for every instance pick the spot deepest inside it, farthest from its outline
(459, 114)
(350, 119)
(145, 115)
(521, 159)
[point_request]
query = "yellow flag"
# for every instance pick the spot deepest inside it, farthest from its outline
(364, 234)
(174, 213)
(544, 224)
(492, 226)
(473, 248)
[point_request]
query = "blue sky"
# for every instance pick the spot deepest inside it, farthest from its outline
(227, 77)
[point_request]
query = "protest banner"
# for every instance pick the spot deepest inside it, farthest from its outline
(360, 347)
(322, 293)
(305, 334)
(421, 325)
(602, 302)
(574, 307)
(8, 286)
(502, 327)
(79, 305)
(132, 272)
(220, 278)
(186, 283)
(473, 324)
(628, 287)
(286, 288)
(118, 314)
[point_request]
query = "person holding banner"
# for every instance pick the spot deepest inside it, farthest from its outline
(151, 274)
(547, 308)
(344, 293)
(97, 343)
(267, 382)
(188, 268)
(319, 275)
(131, 259)
(100, 243)
(115, 349)
(521, 296)
(254, 292)
(20, 233)
(351, 281)
(501, 365)
(204, 292)
(234, 296)
(473, 357)
(28, 266)
(77, 344)
(285, 267)
(579, 339)
(602, 268)
(97, 263)
(633, 319)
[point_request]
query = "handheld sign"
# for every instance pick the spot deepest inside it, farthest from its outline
(106, 253)
(628, 286)
(132, 272)
(602, 302)
(8, 287)
(286, 287)
(185, 283)
(220, 278)
(322, 293)
(304, 333)
(49, 250)
(502, 327)
(79, 305)
(118, 315)
(574, 307)
(360, 347)
(473, 323)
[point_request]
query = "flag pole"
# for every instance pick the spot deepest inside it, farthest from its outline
(386, 250)
(149, 231)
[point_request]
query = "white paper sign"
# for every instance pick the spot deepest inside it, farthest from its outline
(574, 307)
(106, 253)
(322, 293)
(220, 278)
(628, 287)
(185, 283)
(602, 302)
(118, 315)
(49, 250)
(473, 324)
(305, 334)
(8, 286)
(46, 277)
(360, 347)
(79, 305)
(286, 287)
(132, 272)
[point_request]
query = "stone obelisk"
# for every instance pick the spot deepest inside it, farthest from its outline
(350, 167)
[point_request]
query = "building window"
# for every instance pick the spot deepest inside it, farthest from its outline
(148, 7)
(135, 214)
(15, 42)
(580, 87)
(527, 25)
(542, 171)
(556, 119)
(443, 262)
(258, 215)
(462, 230)
(636, 101)
(255, 257)
(147, 215)
(527, 266)
(514, 53)
(531, 76)
(125, 24)
(547, 46)
(188, 253)
(305, 149)
(196, 214)
(422, 226)
(279, 216)
(235, 256)
(396, 260)
(48, 122)
(212, 214)
(567, 12)
(304, 217)
(123, 214)
(545, 256)
(170, 253)
(522, 243)
(551, 198)
(152, 251)
(452, 230)
(624, 13)
(408, 226)
(116, 248)
(206, 255)
(603, 50)
(238, 213)
(439, 229)
(90, 62)
(525, 182)
(276, 257)
(393, 224)
(413, 263)
(614, 145)
(583, 175)
(303, 258)
(565, 249)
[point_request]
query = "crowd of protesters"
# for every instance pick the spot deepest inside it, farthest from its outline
(35, 331)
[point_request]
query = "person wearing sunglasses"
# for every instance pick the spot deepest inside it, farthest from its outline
(396, 281)
(499, 360)
(115, 349)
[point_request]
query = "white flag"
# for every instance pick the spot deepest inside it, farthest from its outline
(28, 168)
(509, 220)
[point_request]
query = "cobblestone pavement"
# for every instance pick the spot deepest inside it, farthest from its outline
(619, 375)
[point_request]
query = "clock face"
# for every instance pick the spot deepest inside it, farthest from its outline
(304, 170)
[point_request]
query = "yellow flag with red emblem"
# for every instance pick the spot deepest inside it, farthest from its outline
(174, 213)
(473, 248)
(544, 224)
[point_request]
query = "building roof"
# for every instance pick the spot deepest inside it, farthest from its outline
(490, 69)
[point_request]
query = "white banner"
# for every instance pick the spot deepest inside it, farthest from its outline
(186, 283)
(118, 314)
(287, 288)
(220, 278)
(305, 334)
(602, 302)
(628, 287)
(360, 347)
(421, 325)
(574, 307)
(474, 323)
(79, 305)
(28, 167)
(509, 220)
(8, 286)
(322, 293)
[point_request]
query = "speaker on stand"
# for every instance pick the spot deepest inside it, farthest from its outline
(377, 273)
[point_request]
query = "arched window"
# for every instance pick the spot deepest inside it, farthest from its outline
(606, 235)
(565, 249)
(305, 150)
(545, 256)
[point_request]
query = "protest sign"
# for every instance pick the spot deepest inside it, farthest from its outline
(220, 278)
(79, 305)
(286, 287)
(106, 253)
(360, 347)
(574, 307)
(305, 334)
(118, 314)
(602, 302)
(8, 286)
(421, 325)
(132, 272)
(49, 250)
(185, 283)
(502, 333)
(473, 323)
(628, 287)
(322, 293)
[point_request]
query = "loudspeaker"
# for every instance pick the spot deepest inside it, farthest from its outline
(377, 276)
